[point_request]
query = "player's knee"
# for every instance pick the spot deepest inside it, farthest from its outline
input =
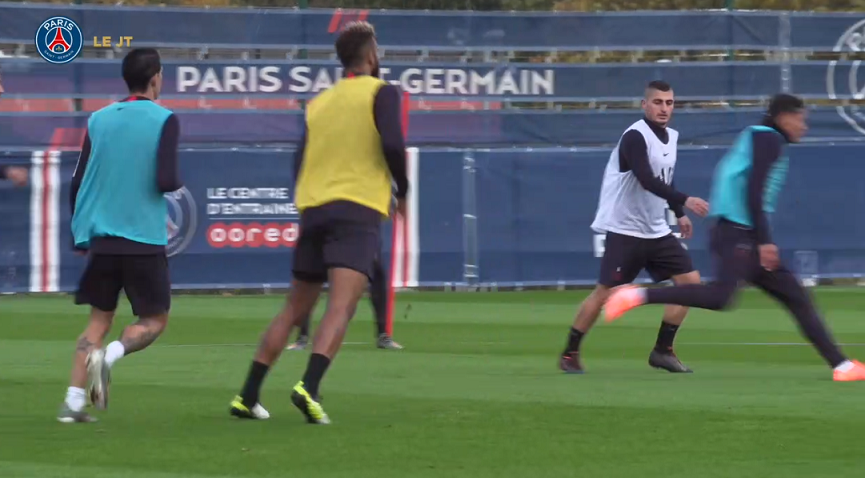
(100, 322)
(724, 296)
(797, 299)
(692, 277)
(155, 323)
(342, 310)
(600, 294)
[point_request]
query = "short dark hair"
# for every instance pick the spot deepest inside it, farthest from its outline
(353, 42)
(659, 85)
(139, 67)
(784, 103)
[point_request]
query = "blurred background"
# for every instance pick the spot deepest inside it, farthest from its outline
(514, 106)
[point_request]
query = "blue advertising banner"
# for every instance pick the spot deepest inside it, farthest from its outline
(234, 221)
(88, 78)
(522, 217)
(839, 31)
(408, 30)
(446, 128)
(16, 205)
(302, 79)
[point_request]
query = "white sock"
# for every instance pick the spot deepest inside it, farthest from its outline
(113, 352)
(641, 293)
(845, 366)
(75, 399)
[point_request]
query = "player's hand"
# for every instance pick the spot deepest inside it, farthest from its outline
(17, 175)
(685, 227)
(769, 257)
(401, 207)
(697, 206)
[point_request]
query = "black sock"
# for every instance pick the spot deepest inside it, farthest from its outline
(574, 339)
(315, 369)
(378, 297)
(666, 336)
(253, 383)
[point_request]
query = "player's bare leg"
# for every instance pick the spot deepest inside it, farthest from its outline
(346, 288)
(301, 300)
(303, 336)
(299, 303)
(88, 342)
(662, 356)
(135, 337)
(586, 317)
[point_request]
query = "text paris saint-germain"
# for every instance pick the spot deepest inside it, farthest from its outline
(313, 79)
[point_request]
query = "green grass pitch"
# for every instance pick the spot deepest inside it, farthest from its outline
(475, 394)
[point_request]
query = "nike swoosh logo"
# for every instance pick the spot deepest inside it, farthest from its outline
(666, 154)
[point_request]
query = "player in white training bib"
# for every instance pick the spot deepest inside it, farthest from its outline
(636, 192)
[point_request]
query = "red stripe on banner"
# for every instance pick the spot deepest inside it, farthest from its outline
(391, 294)
(405, 249)
(334, 21)
(46, 199)
(406, 107)
(56, 137)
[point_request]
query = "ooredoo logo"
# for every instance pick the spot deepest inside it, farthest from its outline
(254, 235)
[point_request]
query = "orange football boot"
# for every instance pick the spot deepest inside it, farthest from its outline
(623, 299)
(855, 374)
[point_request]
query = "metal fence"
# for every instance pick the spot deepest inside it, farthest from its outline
(445, 30)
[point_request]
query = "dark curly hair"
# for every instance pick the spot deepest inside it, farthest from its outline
(352, 43)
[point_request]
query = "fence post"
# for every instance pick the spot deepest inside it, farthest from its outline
(471, 269)
(303, 5)
(784, 40)
(730, 5)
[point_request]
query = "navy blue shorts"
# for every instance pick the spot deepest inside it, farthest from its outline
(625, 256)
(341, 234)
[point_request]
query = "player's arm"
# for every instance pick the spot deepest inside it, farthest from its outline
(634, 157)
(78, 174)
(387, 121)
(167, 174)
(766, 150)
(677, 209)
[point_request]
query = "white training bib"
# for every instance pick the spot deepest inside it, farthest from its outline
(625, 207)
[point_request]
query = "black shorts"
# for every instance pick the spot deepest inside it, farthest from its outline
(736, 255)
(144, 278)
(625, 256)
(339, 234)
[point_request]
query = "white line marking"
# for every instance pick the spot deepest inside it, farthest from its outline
(720, 344)
(235, 345)
(765, 344)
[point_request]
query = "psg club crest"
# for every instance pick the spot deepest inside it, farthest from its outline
(843, 79)
(59, 40)
(181, 221)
